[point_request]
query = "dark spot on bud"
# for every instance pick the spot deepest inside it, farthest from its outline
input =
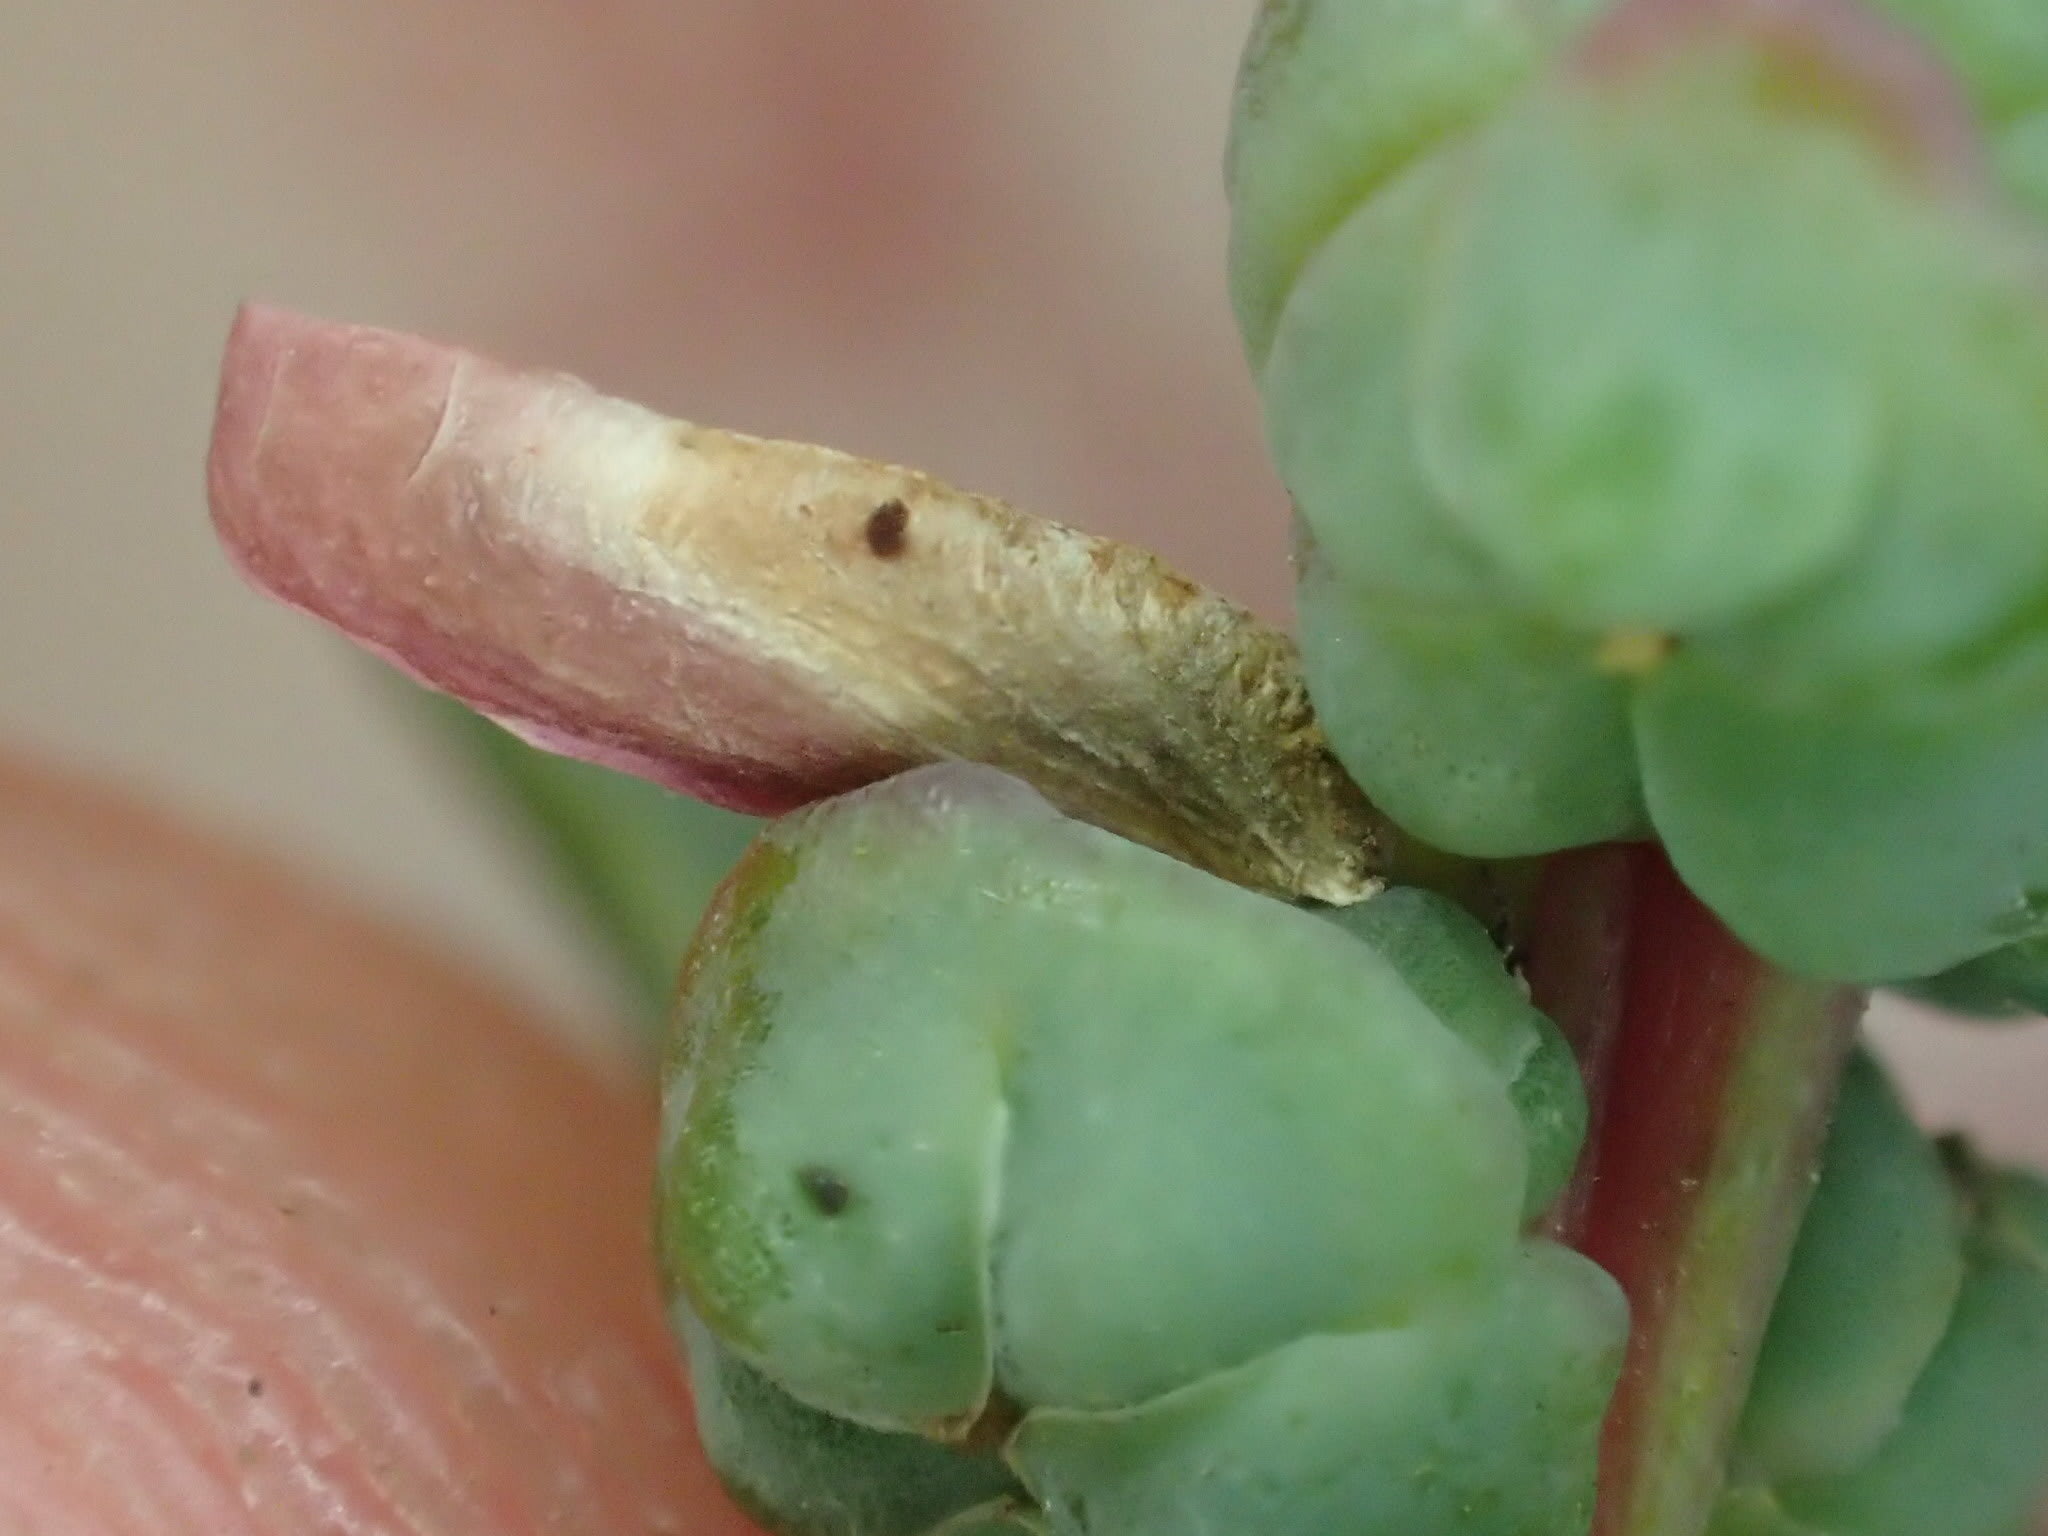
(888, 530)
(255, 1386)
(828, 1193)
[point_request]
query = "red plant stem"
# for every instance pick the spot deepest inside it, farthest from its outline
(1712, 1076)
(1577, 942)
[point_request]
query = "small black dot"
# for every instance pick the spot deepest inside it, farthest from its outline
(826, 1190)
(255, 1386)
(888, 530)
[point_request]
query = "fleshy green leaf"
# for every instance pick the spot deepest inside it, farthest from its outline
(1480, 732)
(1478, 1417)
(805, 1473)
(1334, 97)
(1849, 844)
(1868, 1295)
(1970, 1456)
(2007, 983)
(1452, 964)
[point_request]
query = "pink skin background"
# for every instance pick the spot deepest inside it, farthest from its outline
(303, 1229)
(988, 240)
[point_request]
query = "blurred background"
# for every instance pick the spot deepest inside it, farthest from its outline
(985, 240)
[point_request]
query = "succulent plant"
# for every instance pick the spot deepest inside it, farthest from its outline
(1145, 1080)
(1664, 424)
(988, 1126)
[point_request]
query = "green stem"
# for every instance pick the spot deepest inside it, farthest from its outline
(1712, 1074)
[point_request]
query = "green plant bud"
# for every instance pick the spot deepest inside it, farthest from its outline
(1453, 965)
(2007, 983)
(975, 1112)
(1703, 348)
(1869, 1293)
(1647, 392)
(1644, 338)
(1480, 1416)
(805, 1473)
(1848, 844)
(1000, 1099)
(1970, 1456)
(1480, 732)
(1335, 96)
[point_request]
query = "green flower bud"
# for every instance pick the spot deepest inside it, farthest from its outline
(977, 1114)
(1641, 392)
(1670, 436)
(1630, 355)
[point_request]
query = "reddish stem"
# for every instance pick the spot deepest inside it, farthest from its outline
(1712, 1075)
(1577, 940)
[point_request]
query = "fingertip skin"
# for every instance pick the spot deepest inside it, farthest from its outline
(302, 1228)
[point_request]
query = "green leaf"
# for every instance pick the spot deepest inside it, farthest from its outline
(805, 1473)
(1335, 97)
(1453, 965)
(2008, 983)
(1852, 844)
(1484, 733)
(1970, 1456)
(1479, 1416)
(1868, 1295)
